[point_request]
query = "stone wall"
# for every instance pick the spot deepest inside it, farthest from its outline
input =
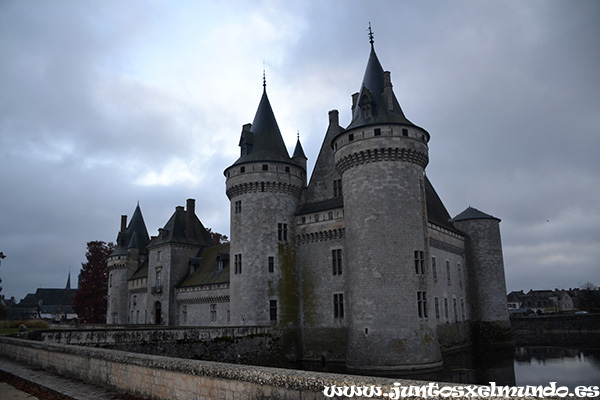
(548, 330)
(171, 378)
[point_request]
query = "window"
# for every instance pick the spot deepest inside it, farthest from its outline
(228, 316)
(184, 314)
(337, 188)
(338, 305)
(158, 279)
(242, 170)
(422, 304)
(404, 132)
(238, 207)
(303, 220)
(265, 167)
(273, 310)
(455, 309)
(419, 262)
(316, 217)
(115, 318)
(137, 317)
(462, 308)
(437, 308)
(336, 257)
(287, 169)
(110, 280)
(351, 137)
(377, 132)
(282, 232)
(158, 255)
(237, 264)
(271, 264)
(446, 308)
(448, 272)
(459, 274)
(330, 215)
(134, 300)
(213, 313)
(434, 269)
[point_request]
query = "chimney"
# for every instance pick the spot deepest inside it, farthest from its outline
(123, 223)
(388, 94)
(334, 118)
(190, 216)
(354, 100)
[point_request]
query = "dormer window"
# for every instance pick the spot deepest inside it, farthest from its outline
(366, 107)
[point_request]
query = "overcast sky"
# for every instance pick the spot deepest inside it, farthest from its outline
(107, 103)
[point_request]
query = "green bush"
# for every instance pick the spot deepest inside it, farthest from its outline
(30, 324)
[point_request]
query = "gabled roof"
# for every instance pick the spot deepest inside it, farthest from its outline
(174, 231)
(142, 271)
(268, 144)
(49, 297)
(206, 267)
(384, 106)
(473, 213)
(436, 211)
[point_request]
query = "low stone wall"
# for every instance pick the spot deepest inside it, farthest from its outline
(120, 335)
(549, 330)
(171, 378)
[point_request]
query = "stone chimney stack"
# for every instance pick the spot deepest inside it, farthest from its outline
(190, 217)
(334, 118)
(123, 223)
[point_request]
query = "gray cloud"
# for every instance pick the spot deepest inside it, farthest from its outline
(108, 103)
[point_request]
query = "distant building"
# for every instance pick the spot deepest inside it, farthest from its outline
(539, 302)
(362, 264)
(50, 304)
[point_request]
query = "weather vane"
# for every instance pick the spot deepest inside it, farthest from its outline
(370, 34)
(264, 76)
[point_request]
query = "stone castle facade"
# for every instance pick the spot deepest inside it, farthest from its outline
(361, 265)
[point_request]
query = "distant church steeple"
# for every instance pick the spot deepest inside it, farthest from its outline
(69, 280)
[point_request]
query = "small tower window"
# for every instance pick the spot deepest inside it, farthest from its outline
(242, 170)
(351, 137)
(422, 304)
(273, 310)
(404, 132)
(338, 305)
(238, 207)
(265, 167)
(337, 188)
(237, 263)
(282, 232)
(336, 259)
(434, 269)
(419, 262)
(271, 264)
(377, 132)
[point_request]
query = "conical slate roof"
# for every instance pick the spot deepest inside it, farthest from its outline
(299, 151)
(175, 231)
(135, 236)
(384, 106)
(473, 213)
(268, 143)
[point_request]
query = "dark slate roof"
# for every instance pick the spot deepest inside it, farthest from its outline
(268, 143)
(473, 213)
(135, 236)
(321, 206)
(299, 151)
(142, 271)
(49, 297)
(436, 211)
(206, 267)
(174, 231)
(373, 87)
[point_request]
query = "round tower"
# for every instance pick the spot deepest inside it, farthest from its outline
(381, 157)
(485, 272)
(264, 187)
(129, 254)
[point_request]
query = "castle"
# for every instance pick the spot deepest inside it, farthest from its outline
(361, 265)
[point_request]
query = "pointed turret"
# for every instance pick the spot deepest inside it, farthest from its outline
(299, 157)
(376, 102)
(68, 281)
(262, 140)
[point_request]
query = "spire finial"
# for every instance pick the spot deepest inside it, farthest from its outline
(371, 35)
(264, 77)
(298, 135)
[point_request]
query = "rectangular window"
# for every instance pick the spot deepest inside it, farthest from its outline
(273, 310)
(462, 308)
(228, 316)
(213, 313)
(238, 207)
(158, 255)
(115, 318)
(237, 264)
(336, 259)
(184, 314)
(337, 188)
(265, 167)
(459, 268)
(282, 232)
(434, 269)
(351, 137)
(338, 305)
(134, 300)
(271, 264)
(316, 217)
(242, 170)
(422, 304)
(455, 309)
(419, 262)
(437, 308)
(404, 132)
(377, 132)
(158, 279)
(448, 272)
(287, 169)
(330, 215)
(446, 308)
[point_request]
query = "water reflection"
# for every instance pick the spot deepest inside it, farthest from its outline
(568, 366)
